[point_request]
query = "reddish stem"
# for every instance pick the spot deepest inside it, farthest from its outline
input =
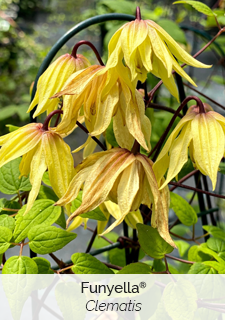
(48, 118)
(138, 13)
(88, 43)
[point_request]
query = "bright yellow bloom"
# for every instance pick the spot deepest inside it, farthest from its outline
(111, 208)
(105, 93)
(146, 47)
(124, 178)
(203, 133)
(53, 79)
(41, 150)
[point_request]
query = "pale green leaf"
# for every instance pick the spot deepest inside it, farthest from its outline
(20, 265)
(9, 178)
(6, 221)
(201, 268)
(199, 6)
(5, 237)
(86, 264)
(45, 240)
(44, 266)
(42, 213)
(135, 268)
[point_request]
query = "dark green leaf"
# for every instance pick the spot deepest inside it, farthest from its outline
(10, 204)
(183, 210)
(95, 214)
(61, 221)
(45, 240)
(44, 266)
(9, 178)
(47, 193)
(42, 213)
(86, 264)
(151, 242)
(20, 265)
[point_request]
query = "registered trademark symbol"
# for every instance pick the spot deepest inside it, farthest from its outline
(142, 285)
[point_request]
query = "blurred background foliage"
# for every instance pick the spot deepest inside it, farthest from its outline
(28, 29)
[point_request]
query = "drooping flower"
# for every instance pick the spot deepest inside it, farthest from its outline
(204, 135)
(124, 178)
(111, 208)
(53, 79)
(41, 150)
(146, 47)
(105, 93)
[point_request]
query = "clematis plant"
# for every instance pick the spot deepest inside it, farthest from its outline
(127, 183)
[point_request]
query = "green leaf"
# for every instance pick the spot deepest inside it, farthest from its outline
(182, 246)
(151, 242)
(71, 308)
(187, 168)
(95, 214)
(109, 135)
(10, 204)
(20, 265)
(136, 268)
(61, 221)
(180, 298)
(117, 257)
(44, 266)
(2, 203)
(6, 221)
(5, 237)
(11, 127)
(120, 6)
(204, 248)
(86, 264)
(45, 179)
(219, 80)
(216, 265)
(195, 254)
(216, 245)
(45, 240)
(199, 6)
(173, 29)
(42, 213)
(47, 193)
(183, 210)
(201, 268)
(9, 178)
(215, 232)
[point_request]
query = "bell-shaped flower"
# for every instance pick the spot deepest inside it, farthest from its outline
(124, 178)
(146, 47)
(105, 93)
(41, 150)
(111, 208)
(52, 81)
(203, 134)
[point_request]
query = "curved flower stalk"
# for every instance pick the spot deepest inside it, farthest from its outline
(204, 135)
(53, 79)
(41, 150)
(111, 208)
(105, 93)
(124, 178)
(146, 47)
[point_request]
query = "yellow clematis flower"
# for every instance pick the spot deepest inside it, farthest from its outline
(111, 208)
(53, 79)
(105, 93)
(41, 150)
(204, 134)
(146, 47)
(124, 178)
